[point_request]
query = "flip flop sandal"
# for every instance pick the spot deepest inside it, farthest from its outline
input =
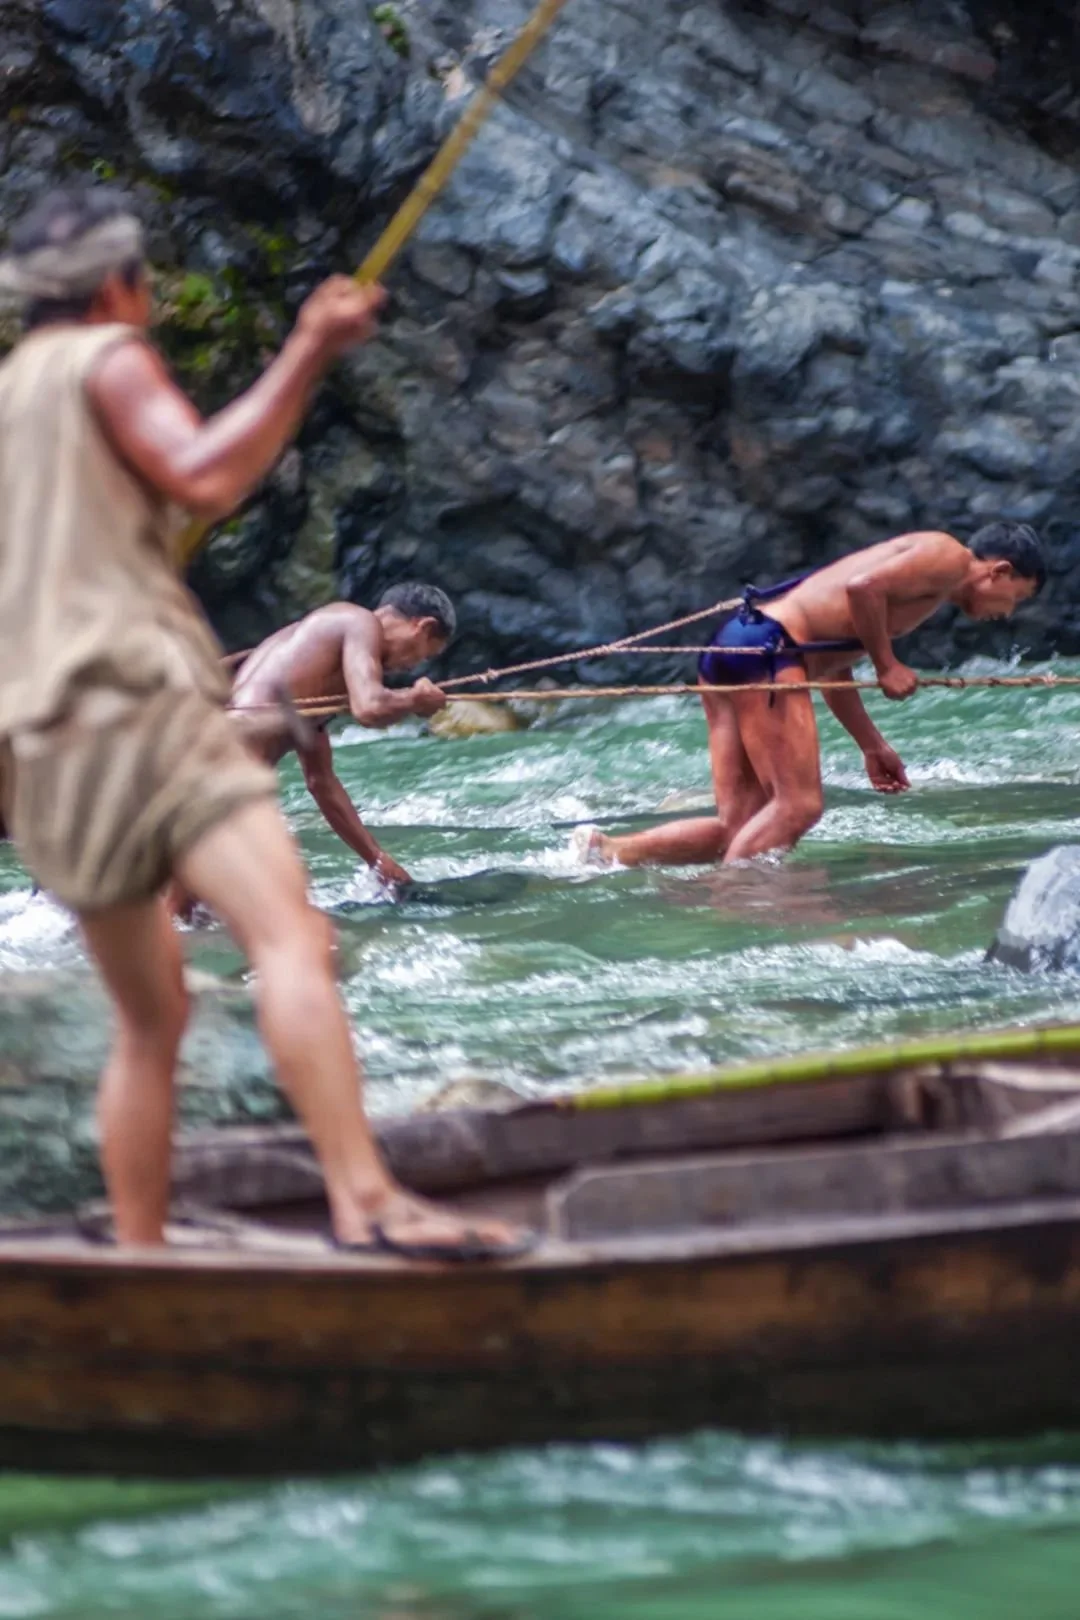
(471, 1249)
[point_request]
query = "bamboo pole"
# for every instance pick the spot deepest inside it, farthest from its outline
(1054, 1040)
(457, 143)
(431, 182)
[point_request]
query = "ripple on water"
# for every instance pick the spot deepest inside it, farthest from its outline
(876, 929)
(35, 933)
(598, 1530)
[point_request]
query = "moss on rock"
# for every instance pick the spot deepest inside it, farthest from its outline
(392, 27)
(215, 332)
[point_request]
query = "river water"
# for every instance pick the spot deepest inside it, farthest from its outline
(551, 976)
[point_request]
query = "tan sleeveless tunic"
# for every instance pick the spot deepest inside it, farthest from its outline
(89, 594)
(116, 755)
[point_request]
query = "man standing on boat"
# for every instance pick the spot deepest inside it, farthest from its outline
(766, 762)
(346, 650)
(120, 767)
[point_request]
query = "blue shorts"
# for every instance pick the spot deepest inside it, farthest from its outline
(772, 649)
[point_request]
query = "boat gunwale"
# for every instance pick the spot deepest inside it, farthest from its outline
(821, 1237)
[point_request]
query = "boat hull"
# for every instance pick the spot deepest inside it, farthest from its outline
(216, 1365)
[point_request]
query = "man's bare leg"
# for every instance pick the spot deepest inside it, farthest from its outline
(698, 840)
(139, 956)
(781, 740)
(248, 870)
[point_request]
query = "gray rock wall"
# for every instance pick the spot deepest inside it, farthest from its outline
(727, 289)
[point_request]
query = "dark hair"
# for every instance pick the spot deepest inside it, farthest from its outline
(415, 601)
(62, 216)
(1014, 543)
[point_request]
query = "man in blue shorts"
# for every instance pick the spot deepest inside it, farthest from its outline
(766, 763)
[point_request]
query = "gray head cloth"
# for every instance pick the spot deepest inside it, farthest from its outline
(64, 270)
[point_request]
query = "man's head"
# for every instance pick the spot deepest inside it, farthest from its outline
(1008, 568)
(417, 623)
(78, 256)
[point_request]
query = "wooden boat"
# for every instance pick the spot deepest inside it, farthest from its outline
(881, 1244)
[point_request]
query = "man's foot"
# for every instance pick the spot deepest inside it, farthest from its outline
(416, 1230)
(589, 846)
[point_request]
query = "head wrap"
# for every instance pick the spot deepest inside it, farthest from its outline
(75, 269)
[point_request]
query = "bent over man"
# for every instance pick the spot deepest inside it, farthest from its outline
(344, 649)
(766, 764)
(120, 767)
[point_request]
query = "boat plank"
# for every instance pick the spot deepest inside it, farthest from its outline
(244, 1166)
(860, 1179)
(285, 1371)
(442, 1153)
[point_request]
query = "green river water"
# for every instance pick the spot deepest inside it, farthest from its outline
(875, 929)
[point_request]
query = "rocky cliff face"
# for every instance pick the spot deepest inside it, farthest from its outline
(729, 288)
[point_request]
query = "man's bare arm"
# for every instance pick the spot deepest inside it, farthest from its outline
(932, 565)
(370, 702)
(330, 795)
(210, 466)
(849, 709)
(883, 764)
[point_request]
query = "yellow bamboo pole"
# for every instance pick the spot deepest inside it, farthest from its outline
(460, 138)
(1049, 1041)
(432, 181)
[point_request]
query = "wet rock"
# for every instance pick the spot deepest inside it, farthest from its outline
(474, 720)
(720, 291)
(54, 1038)
(472, 1092)
(1041, 928)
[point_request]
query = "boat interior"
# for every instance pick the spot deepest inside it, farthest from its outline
(598, 1173)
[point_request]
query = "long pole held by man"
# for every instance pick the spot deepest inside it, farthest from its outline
(121, 769)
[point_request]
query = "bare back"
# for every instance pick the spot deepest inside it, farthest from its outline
(306, 658)
(920, 572)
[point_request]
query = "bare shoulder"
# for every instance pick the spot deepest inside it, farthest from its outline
(921, 548)
(348, 613)
(129, 366)
(353, 622)
(937, 538)
(943, 555)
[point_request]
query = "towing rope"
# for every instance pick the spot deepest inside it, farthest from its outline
(325, 708)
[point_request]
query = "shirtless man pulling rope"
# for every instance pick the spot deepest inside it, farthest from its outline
(766, 763)
(344, 648)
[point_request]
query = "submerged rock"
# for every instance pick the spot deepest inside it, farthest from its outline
(54, 1039)
(686, 799)
(472, 1091)
(1041, 927)
(474, 720)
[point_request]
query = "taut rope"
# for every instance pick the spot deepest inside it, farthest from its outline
(628, 644)
(322, 708)
(606, 649)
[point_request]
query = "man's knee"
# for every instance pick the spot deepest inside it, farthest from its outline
(304, 938)
(800, 812)
(719, 836)
(160, 1023)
